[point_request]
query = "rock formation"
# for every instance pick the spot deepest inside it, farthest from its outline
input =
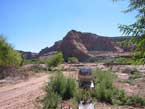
(79, 44)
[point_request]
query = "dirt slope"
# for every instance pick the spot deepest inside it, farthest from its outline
(23, 94)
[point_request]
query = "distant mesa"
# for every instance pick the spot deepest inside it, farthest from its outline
(80, 44)
(29, 55)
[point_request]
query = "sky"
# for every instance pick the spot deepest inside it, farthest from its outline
(32, 25)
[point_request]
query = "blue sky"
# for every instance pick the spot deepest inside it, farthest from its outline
(31, 25)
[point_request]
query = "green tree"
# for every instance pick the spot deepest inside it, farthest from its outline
(8, 56)
(55, 60)
(137, 29)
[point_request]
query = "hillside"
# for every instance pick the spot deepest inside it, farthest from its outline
(80, 44)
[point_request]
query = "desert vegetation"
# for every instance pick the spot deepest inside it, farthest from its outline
(10, 59)
(59, 88)
(133, 60)
(8, 56)
(62, 88)
(118, 68)
(55, 60)
(72, 60)
(107, 92)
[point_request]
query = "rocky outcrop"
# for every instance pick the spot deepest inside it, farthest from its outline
(79, 44)
(73, 46)
(94, 42)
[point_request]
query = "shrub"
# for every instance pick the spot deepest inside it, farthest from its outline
(106, 92)
(136, 75)
(58, 84)
(59, 88)
(139, 58)
(8, 56)
(65, 87)
(55, 60)
(70, 90)
(83, 95)
(103, 85)
(133, 77)
(104, 76)
(129, 70)
(121, 60)
(135, 60)
(72, 60)
(51, 99)
(135, 101)
(104, 89)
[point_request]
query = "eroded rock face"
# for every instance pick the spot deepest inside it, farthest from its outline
(79, 44)
(72, 46)
(94, 42)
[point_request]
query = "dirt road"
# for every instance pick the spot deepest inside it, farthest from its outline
(22, 95)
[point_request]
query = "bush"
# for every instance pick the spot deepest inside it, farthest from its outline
(106, 92)
(70, 90)
(129, 70)
(59, 88)
(51, 99)
(139, 58)
(55, 60)
(133, 77)
(136, 75)
(135, 101)
(135, 60)
(8, 56)
(65, 87)
(121, 60)
(72, 60)
(104, 89)
(83, 95)
(104, 86)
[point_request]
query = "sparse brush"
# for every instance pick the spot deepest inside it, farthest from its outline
(104, 89)
(51, 99)
(106, 92)
(133, 77)
(135, 101)
(58, 88)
